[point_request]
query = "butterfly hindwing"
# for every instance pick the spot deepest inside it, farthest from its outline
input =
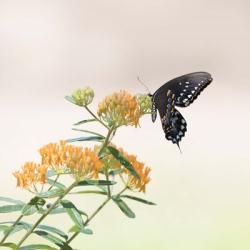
(177, 128)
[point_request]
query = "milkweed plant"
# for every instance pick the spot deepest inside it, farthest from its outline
(105, 169)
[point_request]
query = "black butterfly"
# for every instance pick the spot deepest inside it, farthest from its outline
(180, 92)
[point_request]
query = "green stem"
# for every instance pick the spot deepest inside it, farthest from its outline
(56, 179)
(96, 117)
(107, 178)
(45, 214)
(11, 229)
(94, 214)
(105, 143)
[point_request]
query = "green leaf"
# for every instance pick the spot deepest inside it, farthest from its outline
(89, 138)
(124, 207)
(52, 193)
(56, 210)
(87, 131)
(87, 231)
(116, 171)
(75, 229)
(95, 183)
(53, 230)
(138, 199)
(85, 121)
(20, 226)
(51, 173)
(33, 206)
(73, 213)
(4, 228)
(10, 245)
(11, 208)
(55, 184)
(123, 161)
(29, 210)
(49, 237)
(10, 200)
(37, 201)
(37, 247)
(89, 192)
(70, 99)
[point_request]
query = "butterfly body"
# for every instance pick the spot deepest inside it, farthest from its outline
(178, 92)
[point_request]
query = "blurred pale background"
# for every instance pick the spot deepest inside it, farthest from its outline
(48, 48)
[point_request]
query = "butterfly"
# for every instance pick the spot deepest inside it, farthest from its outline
(178, 92)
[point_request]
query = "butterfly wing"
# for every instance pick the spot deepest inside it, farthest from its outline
(187, 87)
(181, 92)
(164, 103)
(178, 128)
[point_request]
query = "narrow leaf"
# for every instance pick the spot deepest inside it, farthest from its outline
(4, 228)
(89, 192)
(95, 183)
(73, 213)
(11, 208)
(90, 138)
(138, 199)
(37, 247)
(75, 229)
(29, 210)
(70, 99)
(51, 173)
(10, 200)
(55, 184)
(49, 237)
(116, 171)
(9, 245)
(53, 230)
(85, 121)
(124, 207)
(52, 193)
(57, 210)
(88, 131)
(123, 161)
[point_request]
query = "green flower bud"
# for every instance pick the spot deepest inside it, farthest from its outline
(83, 97)
(145, 103)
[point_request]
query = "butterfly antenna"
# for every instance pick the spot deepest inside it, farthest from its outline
(143, 84)
(179, 147)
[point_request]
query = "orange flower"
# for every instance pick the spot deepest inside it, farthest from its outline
(119, 109)
(143, 172)
(61, 157)
(31, 174)
(133, 182)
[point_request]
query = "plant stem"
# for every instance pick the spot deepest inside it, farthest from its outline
(46, 213)
(94, 214)
(56, 179)
(11, 229)
(105, 143)
(96, 117)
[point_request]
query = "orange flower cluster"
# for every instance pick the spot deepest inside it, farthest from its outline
(133, 182)
(63, 158)
(143, 172)
(119, 109)
(31, 174)
(82, 162)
